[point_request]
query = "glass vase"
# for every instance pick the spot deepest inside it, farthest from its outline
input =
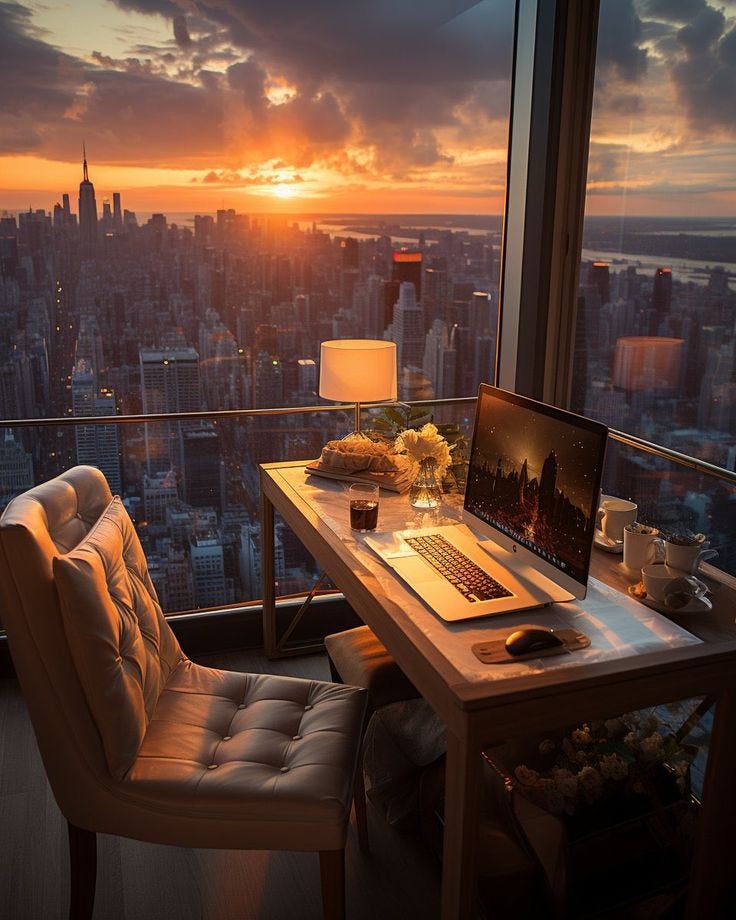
(425, 492)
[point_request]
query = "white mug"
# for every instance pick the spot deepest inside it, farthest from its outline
(656, 578)
(614, 515)
(642, 546)
(687, 558)
(663, 582)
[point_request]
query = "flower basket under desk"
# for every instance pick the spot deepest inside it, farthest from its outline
(627, 848)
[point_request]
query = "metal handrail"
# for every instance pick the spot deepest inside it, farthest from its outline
(675, 456)
(630, 440)
(211, 414)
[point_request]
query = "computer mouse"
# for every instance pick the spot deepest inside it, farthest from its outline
(531, 640)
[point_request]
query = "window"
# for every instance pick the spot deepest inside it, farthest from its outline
(250, 185)
(655, 334)
(655, 342)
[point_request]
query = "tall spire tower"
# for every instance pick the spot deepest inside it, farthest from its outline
(87, 211)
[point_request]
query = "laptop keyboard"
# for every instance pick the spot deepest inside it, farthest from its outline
(469, 578)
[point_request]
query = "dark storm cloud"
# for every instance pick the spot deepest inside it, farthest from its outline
(619, 37)
(607, 163)
(626, 104)
(360, 53)
(674, 10)
(141, 117)
(385, 75)
(705, 72)
(38, 82)
(249, 80)
(700, 34)
(181, 32)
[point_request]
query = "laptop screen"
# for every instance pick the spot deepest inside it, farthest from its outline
(534, 483)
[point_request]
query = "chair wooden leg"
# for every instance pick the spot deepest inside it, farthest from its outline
(332, 874)
(83, 872)
(361, 814)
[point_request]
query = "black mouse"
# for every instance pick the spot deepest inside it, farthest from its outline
(531, 640)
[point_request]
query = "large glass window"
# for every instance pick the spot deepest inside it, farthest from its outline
(252, 182)
(655, 333)
(655, 351)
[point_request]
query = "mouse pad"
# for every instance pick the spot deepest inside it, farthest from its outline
(494, 652)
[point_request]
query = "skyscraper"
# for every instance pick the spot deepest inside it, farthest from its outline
(169, 383)
(408, 328)
(87, 212)
(407, 266)
(661, 298)
(97, 445)
(117, 214)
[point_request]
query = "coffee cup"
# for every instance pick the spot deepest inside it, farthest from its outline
(642, 546)
(669, 588)
(656, 578)
(613, 515)
(687, 556)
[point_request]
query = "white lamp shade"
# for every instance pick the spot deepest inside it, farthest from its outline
(357, 370)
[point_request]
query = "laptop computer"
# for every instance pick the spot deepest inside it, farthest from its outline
(528, 518)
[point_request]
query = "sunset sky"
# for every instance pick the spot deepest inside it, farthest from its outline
(372, 105)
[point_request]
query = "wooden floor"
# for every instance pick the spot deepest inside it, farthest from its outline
(143, 881)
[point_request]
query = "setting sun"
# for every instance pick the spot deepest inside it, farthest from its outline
(284, 191)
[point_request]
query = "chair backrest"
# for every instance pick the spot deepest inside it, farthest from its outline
(52, 537)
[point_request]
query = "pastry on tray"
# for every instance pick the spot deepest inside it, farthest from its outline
(356, 455)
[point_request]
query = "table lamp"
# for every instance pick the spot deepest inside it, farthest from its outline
(357, 370)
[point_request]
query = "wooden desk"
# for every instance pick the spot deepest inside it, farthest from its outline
(482, 706)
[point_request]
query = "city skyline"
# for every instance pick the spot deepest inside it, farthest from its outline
(223, 106)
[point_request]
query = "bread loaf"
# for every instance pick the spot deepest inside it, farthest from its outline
(354, 455)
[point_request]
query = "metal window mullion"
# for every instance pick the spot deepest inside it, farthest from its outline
(552, 88)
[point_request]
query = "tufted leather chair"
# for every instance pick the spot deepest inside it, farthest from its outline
(138, 740)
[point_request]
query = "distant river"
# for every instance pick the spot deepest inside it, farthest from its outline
(693, 270)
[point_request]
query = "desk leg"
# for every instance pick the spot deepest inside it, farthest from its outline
(712, 890)
(268, 576)
(462, 809)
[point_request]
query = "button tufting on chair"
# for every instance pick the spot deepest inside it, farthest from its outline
(131, 730)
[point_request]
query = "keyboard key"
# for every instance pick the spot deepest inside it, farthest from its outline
(470, 579)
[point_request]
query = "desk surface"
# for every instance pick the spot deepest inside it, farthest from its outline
(637, 659)
(626, 636)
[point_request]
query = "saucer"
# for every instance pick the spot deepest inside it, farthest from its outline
(604, 543)
(696, 605)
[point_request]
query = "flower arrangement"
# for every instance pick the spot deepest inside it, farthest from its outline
(424, 444)
(597, 761)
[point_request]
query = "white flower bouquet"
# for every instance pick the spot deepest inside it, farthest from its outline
(427, 443)
(602, 762)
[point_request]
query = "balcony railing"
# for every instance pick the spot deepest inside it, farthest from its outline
(673, 490)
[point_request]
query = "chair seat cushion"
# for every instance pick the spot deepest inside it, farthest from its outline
(251, 747)
(362, 660)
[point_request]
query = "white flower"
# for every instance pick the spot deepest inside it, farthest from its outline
(651, 745)
(590, 783)
(566, 782)
(427, 442)
(649, 724)
(581, 735)
(613, 767)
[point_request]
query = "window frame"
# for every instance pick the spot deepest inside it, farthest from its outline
(555, 45)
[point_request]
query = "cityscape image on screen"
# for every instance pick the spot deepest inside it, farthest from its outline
(535, 477)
